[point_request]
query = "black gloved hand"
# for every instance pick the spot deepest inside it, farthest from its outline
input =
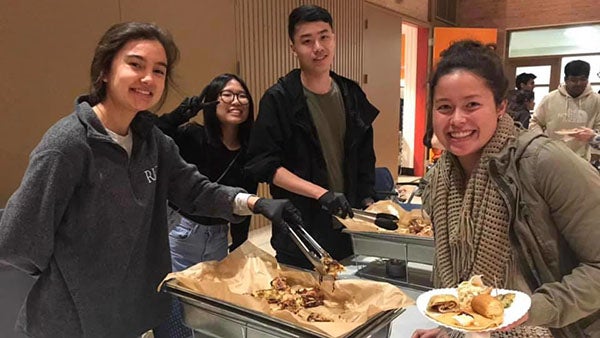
(336, 203)
(278, 211)
(190, 106)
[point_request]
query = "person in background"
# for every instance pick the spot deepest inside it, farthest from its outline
(217, 149)
(525, 81)
(573, 108)
(89, 217)
(521, 105)
(313, 139)
(510, 204)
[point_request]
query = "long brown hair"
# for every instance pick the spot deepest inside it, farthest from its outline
(113, 41)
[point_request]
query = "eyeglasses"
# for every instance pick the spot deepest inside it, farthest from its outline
(228, 97)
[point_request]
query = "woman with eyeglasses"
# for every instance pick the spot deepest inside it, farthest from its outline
(217, 148)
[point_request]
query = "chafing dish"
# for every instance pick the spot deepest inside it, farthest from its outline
(411, 254)
(216, 318)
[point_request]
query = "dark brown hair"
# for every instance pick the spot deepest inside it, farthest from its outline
(472, 56)
(113, 41)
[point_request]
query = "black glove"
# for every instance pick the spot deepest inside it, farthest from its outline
(336, 203)
(189, 107)
(278, 211)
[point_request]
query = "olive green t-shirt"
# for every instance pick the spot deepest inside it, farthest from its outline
(329, 116)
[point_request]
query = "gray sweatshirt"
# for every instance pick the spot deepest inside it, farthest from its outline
(91, 224)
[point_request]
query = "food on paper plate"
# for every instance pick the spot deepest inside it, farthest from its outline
(295, 299)
(473, 310)
(470, 321)
(443, 303)
(506, 299)
(464, 319)
(487, 306)
(469, 289)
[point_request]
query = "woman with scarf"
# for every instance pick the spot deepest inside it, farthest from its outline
(509, 204)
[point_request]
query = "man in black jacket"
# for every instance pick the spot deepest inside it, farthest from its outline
(313, 139)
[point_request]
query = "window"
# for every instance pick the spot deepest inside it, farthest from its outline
(555, 41)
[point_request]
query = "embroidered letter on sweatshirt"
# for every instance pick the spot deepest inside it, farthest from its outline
(150, 174)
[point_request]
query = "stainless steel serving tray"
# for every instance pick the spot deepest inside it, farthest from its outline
(410, 248)
(217, 318)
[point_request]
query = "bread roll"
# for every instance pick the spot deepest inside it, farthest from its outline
(487, 306)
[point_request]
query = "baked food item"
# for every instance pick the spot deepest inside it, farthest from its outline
(292, 298)
(506, 299)
(487, 306)
(332, 267)
(469, 321)
(443, 303)
(469, 289)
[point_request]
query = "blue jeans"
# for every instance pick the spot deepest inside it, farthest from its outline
(192, 243)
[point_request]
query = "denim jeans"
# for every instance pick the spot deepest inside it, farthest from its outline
(192, 243)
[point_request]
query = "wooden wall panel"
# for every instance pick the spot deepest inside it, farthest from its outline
(205, 39)
(47, 48)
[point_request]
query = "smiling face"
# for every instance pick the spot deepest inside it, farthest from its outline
(236, 112)
(314, 45)
(136, 79)
(465, 115)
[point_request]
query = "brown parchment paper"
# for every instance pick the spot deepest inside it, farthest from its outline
(351, 303)
(385, 206)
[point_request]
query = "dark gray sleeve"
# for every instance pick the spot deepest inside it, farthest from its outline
(34, 212)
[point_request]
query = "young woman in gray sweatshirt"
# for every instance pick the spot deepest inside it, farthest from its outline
(89, 218)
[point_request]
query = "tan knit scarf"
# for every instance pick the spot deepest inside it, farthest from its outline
(471, 224)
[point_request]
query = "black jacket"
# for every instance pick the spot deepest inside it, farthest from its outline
(211, 158)
(284, 135)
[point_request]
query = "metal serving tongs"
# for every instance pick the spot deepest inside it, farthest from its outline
(381, 219)
(315, 254)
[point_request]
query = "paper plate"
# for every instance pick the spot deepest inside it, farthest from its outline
(566, 132)
(518, 308)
